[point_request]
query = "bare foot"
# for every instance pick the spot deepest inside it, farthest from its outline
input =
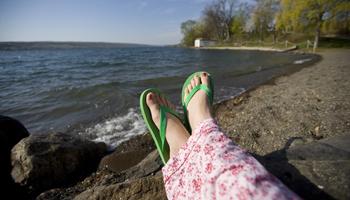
(176, 134)
(198, 109)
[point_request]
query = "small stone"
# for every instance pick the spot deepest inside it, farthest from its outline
(320, 186)
(317, 130)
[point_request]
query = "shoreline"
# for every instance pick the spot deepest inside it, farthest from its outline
(293, 48)
(274, 82)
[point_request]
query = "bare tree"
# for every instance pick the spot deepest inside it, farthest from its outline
(218, 17)
(264, 17)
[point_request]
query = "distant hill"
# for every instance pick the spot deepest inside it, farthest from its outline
(63, 45)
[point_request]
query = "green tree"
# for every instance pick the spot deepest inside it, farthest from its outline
(191, 30)
(239, 21)
(339, 25)
(237, 25)
(304, 15)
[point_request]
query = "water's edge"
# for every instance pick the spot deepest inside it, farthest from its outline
(94, 92)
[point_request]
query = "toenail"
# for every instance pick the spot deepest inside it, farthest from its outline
(150, 96)
(205, 74)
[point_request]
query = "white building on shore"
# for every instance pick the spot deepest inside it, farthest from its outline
(200, 42)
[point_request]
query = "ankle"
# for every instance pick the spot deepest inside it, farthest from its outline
(196, 121)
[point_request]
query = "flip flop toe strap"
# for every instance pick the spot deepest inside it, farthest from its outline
(163, 123)
(196, 89)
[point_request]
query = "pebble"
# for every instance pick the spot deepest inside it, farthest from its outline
(317, 130)
(320, 186)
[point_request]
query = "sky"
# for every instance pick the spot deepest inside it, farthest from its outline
(129, 21)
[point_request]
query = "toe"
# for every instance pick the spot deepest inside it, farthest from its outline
(193, 84)
(152, 103)
(166, 102)
(161, 100)
(151, 99)
(189, 87)
(204, 78)
(196, 80)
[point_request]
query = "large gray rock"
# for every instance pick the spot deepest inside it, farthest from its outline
(148, 166)
(45, 161)
(99, 181)
(128, 154)
(140, 183)
(317, 170)
(326, 164)
(11, 132)
(148, 188)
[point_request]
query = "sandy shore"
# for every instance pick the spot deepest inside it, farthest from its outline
(253, 48)
(298, 126)
(311, 104)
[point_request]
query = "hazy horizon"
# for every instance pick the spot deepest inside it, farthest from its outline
(57, 41)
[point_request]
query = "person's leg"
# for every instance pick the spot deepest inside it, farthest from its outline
(176, 133)
(198, 108)
(210, 166)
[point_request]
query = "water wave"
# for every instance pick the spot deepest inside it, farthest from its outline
(299, 62)
(107, 64)
(116, 130)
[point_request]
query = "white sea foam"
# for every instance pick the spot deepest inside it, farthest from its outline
(118, 129)
(299, 62)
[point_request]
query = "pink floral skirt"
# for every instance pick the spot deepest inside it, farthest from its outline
(211, 166)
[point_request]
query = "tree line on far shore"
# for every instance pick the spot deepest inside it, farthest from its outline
(231, 21)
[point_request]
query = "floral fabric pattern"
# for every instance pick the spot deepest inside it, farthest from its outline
(211, 166)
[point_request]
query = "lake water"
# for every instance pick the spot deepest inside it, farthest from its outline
(94, 91)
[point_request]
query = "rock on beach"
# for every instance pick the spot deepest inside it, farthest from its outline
(11, 132)
(45, 161)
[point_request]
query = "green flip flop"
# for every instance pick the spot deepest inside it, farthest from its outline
(158, 135)
(209, 90)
